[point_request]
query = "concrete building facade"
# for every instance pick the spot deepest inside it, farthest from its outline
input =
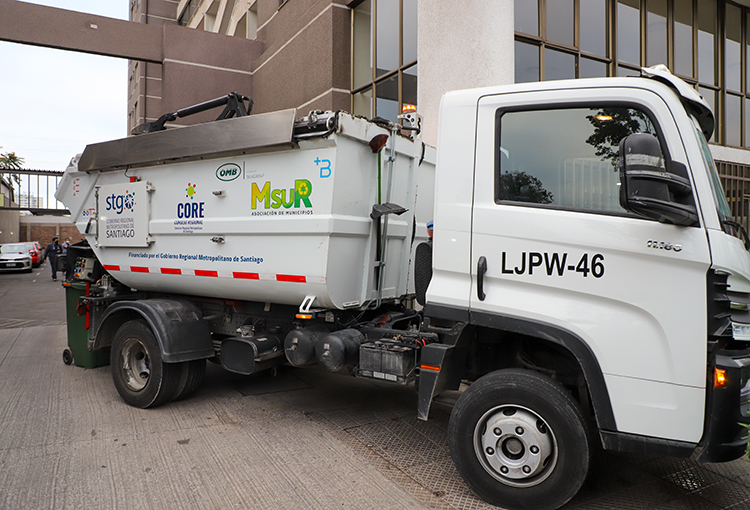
(372, 57)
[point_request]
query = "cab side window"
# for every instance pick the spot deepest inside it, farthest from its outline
(564, 158)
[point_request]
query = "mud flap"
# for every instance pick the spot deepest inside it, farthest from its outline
(435, 372)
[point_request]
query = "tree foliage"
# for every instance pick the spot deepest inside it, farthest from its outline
(522, 187)
(612, 125)
(10, 160)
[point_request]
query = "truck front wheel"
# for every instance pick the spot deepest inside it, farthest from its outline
(519, 440)
(140, 376)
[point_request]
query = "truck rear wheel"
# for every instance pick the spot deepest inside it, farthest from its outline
(191, 376)
(519, 440)
(140, 376)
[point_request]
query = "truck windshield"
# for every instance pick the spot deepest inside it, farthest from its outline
(722, 207)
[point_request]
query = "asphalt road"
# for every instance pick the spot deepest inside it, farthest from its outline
(31, 298)
(294, 439)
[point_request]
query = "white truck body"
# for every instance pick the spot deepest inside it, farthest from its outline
(287, 225)
(585, 276)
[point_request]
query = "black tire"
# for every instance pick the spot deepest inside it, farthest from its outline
(520, 441)
(140, 376)
(67, 357)
(191, 376)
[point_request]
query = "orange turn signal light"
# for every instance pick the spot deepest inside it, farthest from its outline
(720, 378)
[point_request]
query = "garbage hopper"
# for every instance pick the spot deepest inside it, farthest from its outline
(78, 334)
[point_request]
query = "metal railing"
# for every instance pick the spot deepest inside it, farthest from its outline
(31, 190)
(34, 190)
(735, 179)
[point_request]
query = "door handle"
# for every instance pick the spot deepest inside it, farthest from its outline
(481, 269)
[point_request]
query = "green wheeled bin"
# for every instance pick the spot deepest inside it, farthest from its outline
(78, 333)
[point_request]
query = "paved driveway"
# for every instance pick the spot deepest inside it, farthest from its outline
(294, 439)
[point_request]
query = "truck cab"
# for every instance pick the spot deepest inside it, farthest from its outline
(582, 233)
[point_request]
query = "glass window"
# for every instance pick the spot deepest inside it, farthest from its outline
(719, 196)
(409, 31)
(527, 62)
(683, 37)
(732, 120)
(387, 38)
(565, 157)
(628, 31)
(706, 42)
(656, 32)
(733, 48)
(559, 65)
(560, 21)
(362, 103)
(747, 123)
(706, 37)
(362, 44)
(589, 68)
(526, 16)
(593, 27)
(386, 99)
(409, 84)
(380, 91)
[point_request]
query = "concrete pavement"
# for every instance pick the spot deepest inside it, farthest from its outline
(294, 439)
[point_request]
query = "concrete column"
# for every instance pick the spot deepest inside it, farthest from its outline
(461, 45)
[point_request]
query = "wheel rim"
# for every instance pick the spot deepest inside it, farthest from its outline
(136, 365)
(515, 445)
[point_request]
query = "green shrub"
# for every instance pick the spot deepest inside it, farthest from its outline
(747, 449)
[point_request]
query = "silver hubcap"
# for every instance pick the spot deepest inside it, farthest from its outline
(136, 365)
(515, 445)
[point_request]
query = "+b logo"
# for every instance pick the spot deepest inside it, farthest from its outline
(325, 169)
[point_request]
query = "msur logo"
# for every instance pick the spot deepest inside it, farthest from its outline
(269, 198)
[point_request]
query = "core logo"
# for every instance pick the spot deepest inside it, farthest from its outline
(274, 199)
(190, 209)
(228, 172)
(119, 203)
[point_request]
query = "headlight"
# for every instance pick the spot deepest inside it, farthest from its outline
(741, 331)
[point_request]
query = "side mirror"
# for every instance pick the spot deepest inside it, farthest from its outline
(652, 188)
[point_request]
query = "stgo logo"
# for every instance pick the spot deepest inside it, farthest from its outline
(119, 203)
(228, 172)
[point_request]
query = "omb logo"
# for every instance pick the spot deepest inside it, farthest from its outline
(228, 172)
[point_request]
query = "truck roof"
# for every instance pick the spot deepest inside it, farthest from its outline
(648, 79)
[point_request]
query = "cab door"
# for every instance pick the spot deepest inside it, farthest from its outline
(552, 247)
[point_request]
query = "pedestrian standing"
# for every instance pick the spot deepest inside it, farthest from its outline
(53, 250)
(66, 244)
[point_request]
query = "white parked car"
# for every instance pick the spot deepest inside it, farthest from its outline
(15, 257)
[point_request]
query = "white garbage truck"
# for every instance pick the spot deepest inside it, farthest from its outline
(586, 283)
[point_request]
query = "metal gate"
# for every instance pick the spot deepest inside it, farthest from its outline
(735, 179)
